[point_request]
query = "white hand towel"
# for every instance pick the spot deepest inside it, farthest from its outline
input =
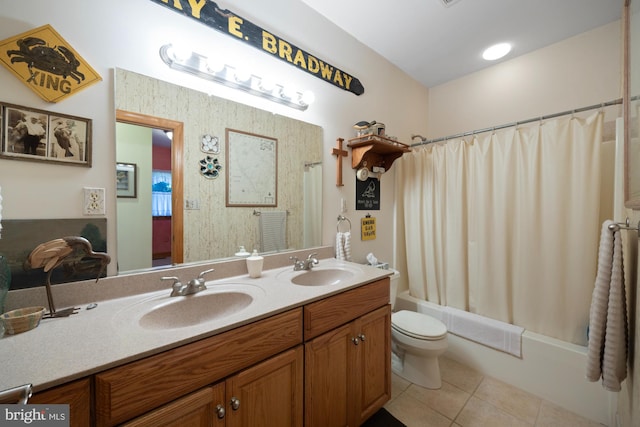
(343, 246)
(608, 330)
(273, 231)
(339, 247)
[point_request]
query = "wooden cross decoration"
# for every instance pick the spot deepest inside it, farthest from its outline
(339, 153)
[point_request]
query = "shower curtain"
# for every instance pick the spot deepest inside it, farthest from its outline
(506, 224)
(312, 206)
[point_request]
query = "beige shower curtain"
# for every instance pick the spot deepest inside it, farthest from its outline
(506, 224)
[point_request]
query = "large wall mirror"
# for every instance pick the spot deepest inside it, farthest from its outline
(210, 229)
(632, 104)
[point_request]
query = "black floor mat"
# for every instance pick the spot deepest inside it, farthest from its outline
(382, 418)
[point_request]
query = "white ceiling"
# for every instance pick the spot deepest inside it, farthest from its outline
(435, 43)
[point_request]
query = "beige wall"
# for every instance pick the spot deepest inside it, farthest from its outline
(578, 72)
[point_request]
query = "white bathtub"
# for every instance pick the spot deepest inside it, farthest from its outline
(549, 368)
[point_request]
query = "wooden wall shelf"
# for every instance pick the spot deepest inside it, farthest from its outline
(375, 150)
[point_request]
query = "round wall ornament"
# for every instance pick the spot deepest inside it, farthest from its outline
(210, 144)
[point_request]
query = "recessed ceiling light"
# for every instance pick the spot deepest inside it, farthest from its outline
(496, 51)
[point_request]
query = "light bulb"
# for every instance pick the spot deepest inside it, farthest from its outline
(214, 65)
(267, 84)
(496, 51)
(290, 92)
(242, 75)
(180, 53)
(308, 97)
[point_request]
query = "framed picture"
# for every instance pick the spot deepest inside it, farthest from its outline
(252, 169)
(126, 180)
(37, 135)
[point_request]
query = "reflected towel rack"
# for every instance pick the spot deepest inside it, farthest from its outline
(258, 213)
(626, 225)
(341, 219)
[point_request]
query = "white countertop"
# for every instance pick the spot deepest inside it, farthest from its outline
(63, 349)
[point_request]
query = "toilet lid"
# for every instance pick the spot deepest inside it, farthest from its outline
(418, 325)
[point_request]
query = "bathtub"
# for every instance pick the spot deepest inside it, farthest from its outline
(551, 369)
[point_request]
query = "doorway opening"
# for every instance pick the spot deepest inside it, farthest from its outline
(176, 253)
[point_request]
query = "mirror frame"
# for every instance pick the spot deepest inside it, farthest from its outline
(629, 202)
(177, 173)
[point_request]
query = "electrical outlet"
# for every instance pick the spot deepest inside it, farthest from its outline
(93, 201)
(192, 204)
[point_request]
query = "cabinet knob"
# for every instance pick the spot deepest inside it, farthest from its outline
(235, 403)
(355, 340)
(362, 337)
(220, 412)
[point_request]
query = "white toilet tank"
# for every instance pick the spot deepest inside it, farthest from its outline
(394, 286)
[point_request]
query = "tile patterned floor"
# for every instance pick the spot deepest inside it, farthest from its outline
(469, 399)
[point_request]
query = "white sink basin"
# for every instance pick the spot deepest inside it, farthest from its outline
(319, 276)
(163, 312)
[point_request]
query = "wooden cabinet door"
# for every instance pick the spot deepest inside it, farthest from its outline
(348, 372)
(374, 361)
(268, 394)
(197, 409)
(329, 381)
(76, 394)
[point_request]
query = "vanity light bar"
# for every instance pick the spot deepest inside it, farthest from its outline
(201, 66)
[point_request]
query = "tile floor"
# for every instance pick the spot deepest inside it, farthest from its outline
(469, 399)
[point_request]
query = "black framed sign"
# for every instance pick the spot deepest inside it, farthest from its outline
(245, 31)
(368, 194)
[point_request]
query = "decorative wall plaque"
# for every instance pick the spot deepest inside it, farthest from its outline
(46, 63)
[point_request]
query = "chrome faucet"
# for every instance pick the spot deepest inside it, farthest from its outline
(306, 264)
(192, 287)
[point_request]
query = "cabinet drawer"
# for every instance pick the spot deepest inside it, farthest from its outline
(76, 394)
(324, 315)
(133, 389)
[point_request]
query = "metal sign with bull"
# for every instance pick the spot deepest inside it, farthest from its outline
(46, 63)
(209, 14)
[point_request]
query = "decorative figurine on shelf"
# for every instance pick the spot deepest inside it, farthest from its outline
(369, 128)
(72, 253)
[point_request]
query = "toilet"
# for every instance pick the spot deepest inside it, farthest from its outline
(417, 342)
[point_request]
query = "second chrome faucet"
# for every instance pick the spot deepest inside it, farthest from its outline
(306, 264)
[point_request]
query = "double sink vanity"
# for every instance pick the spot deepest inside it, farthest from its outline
(290, 348)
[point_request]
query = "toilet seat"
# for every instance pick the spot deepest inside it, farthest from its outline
(418, 325)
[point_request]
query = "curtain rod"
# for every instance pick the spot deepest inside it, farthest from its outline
(550, 116)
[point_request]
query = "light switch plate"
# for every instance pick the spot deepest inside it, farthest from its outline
(93, 201)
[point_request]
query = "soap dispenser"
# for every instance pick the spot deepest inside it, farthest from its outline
(254, 264)
(242, 252)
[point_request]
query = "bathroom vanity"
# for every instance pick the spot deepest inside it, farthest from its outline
(299, 355)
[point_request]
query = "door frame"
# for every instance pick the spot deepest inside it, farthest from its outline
(177, 173)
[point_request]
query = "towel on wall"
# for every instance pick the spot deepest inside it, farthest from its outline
(273, 231)
(343, 246)
(607, 347)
